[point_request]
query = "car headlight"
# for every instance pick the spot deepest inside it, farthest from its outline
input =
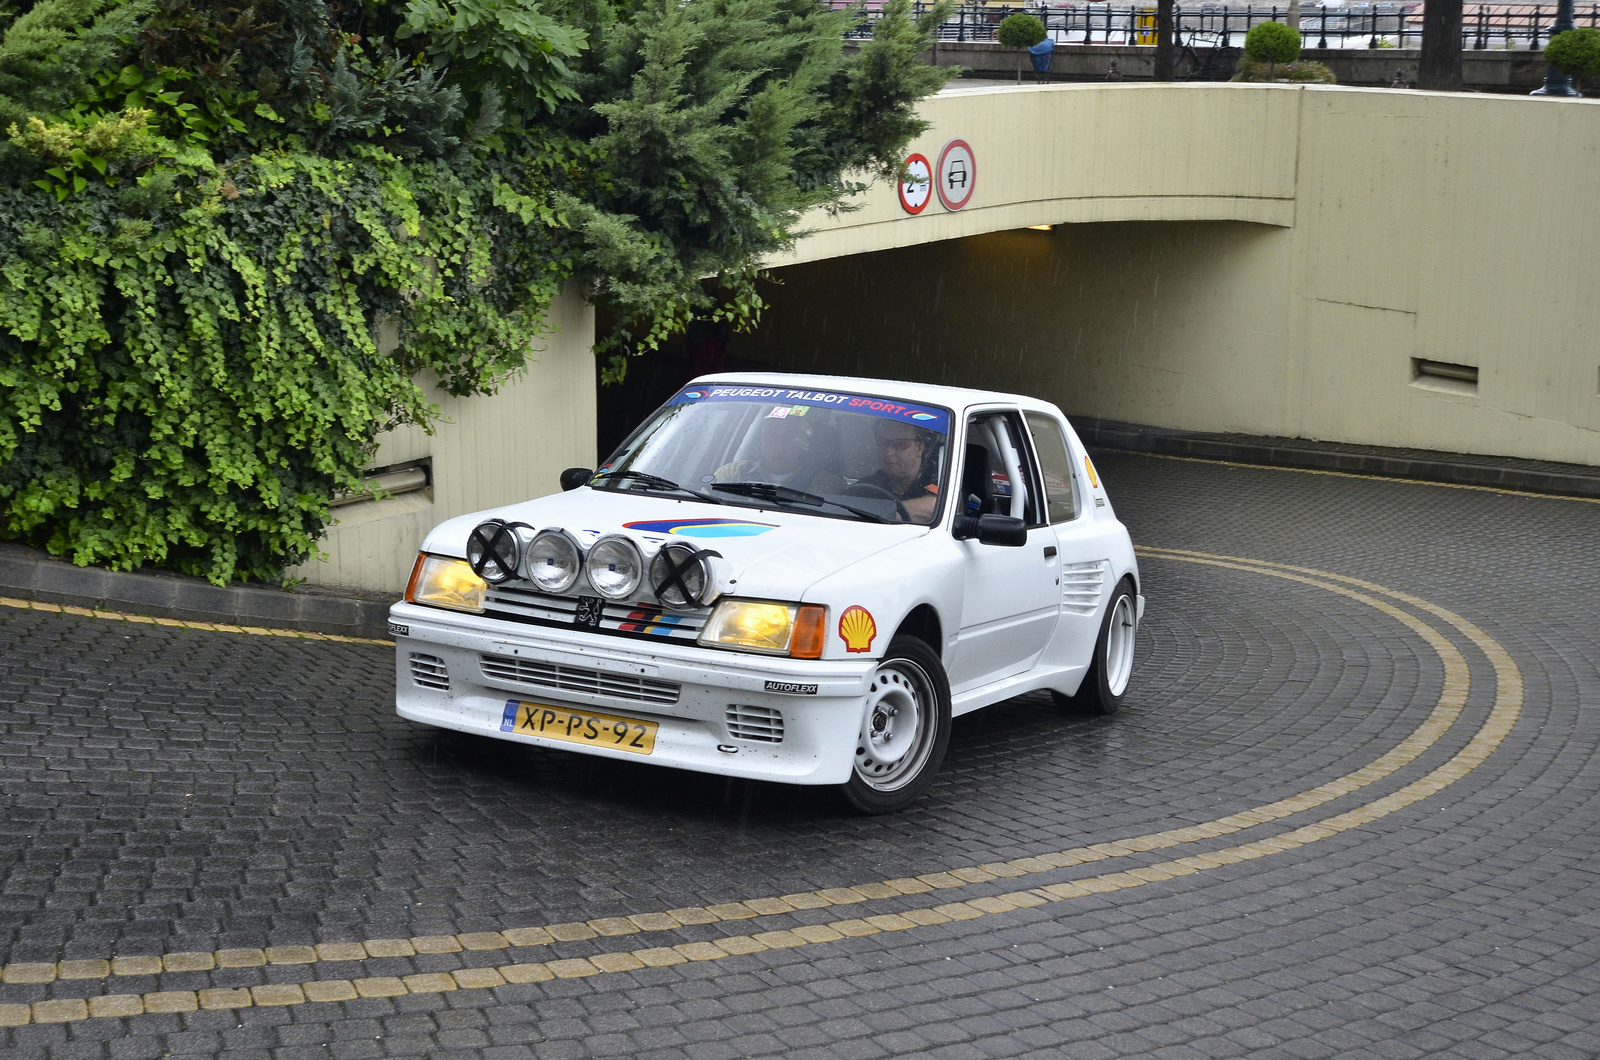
(553, 561)
(445, 582)
(494, 550)
(681, 576)
(768, 627)
(614, 567)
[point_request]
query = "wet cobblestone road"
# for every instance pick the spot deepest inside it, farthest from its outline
(1335, 819)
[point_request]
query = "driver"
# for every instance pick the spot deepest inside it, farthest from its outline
(901, 448)
(785, 460)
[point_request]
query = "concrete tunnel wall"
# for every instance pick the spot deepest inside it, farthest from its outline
(1261, 259)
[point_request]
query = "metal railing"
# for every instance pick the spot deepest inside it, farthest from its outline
(1363, 25)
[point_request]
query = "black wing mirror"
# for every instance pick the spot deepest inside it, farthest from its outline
(1005, 530)
(573, 477)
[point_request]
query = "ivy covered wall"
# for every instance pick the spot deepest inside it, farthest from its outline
(208, 210)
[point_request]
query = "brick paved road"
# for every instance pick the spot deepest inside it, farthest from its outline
(227, 800)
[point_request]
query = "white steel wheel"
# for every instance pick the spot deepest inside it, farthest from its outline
(1120, 634)
(1112, 663)
(905, 725)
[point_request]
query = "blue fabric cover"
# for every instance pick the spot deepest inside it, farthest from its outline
(1041, 54)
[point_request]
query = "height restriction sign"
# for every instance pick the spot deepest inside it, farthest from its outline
(916, 184)
(957, 174)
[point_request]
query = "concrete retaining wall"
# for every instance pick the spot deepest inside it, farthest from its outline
(1487, 71)
(484, 451)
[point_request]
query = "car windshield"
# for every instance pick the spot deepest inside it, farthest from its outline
(830, 453)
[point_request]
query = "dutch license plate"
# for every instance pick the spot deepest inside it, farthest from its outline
(579, 726)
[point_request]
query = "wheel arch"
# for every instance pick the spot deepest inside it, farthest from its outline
(923, 623)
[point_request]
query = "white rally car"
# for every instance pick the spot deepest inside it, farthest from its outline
(788, 578)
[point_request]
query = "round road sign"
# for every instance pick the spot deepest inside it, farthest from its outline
(958, 174)
(916, 186)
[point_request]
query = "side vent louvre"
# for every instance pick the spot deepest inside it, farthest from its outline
(758, 724)
(429, 671)
(1080, 587)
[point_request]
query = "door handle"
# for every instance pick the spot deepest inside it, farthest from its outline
(1049, 552)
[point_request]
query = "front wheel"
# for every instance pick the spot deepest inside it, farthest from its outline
(905, 726)
(1107, 680)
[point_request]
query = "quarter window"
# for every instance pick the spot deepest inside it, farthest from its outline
(1056, 464)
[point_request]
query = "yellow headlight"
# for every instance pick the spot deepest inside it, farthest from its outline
(752, 625)
(445, 582)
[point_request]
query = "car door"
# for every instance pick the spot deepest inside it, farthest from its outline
(1084, 545)
(1010, 601)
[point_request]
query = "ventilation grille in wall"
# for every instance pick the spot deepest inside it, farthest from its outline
(1443, 376)
(390, 482)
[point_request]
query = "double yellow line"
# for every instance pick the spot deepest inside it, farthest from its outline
(1445, 714)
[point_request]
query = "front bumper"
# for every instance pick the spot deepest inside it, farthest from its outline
(635, 679)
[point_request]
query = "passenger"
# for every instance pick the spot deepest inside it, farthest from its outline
(901, 452)
(785, 460)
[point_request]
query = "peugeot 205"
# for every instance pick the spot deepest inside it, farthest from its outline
(785, 578)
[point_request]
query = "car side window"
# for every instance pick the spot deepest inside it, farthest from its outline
(1056, 464)
(996, 476)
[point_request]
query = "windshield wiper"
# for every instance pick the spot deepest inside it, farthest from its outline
(769, 491)
(650, 481)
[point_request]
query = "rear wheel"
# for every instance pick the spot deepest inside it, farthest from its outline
(905, 726)
(1107, 680)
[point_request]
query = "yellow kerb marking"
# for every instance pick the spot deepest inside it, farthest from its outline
(209, 627)
(1502, 718)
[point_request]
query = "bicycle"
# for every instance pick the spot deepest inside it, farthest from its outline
(1207, 56)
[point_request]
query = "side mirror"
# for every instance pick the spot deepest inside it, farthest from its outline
(573, 477)
(1005, 530)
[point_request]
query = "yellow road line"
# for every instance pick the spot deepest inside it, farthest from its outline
(178, 623)
(1507, 708)
(1502, 718)
(1446, 711)
(1357, 474)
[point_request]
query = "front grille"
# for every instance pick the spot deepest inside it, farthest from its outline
(760, 724)
(429, 671)
(1080, 587)
(637, 619)
(554, 678)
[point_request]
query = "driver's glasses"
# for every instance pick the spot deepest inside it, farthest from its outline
(896, 445)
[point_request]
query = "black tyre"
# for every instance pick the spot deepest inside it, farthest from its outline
(905, 727)
(1109, 670)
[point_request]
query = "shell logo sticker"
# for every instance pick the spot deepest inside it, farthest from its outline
(1088, 465)
(857, 629)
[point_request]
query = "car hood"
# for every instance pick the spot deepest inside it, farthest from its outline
(771, 553)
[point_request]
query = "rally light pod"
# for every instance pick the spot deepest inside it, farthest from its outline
(553, 560)
(494, 550)
(615, 567)
(685, 578)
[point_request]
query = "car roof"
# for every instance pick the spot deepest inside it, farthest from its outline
(924, 393)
